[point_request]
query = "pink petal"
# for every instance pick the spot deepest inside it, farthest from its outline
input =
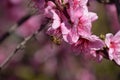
(56, 20)
(117, 58)
(93, 16)
(65, 29)
(108, 39)
(69, 35)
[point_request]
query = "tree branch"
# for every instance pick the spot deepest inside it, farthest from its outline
(13, 28)
(22, 44)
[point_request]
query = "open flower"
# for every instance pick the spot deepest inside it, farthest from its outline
(77, 8)
(113, 44)
(84, 23)
(69, 33)
(88, 44)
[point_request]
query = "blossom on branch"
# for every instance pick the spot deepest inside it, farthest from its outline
(88, 45)
(113, 44)
(72, 22)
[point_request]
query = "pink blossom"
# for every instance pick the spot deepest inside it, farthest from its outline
(87, 44)
(70, 35)
(82, 2)
(93, 16)
(113, 44)
(80, 16)
(96, 55)
(77, 9)
(54, 32)
(56, 20)
(55, 26)
(84, 24)
(70, 29)
(51, 13)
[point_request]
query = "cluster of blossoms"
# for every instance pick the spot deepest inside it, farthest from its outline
(72, 22)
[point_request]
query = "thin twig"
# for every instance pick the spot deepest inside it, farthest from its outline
(19, 47)
(22, 45)
(13, 28)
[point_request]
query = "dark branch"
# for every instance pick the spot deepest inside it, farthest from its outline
(7, 34)
(23, 43)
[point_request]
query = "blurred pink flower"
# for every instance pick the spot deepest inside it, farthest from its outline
(13, 9)
(30, 26)
(85, 74)
(96, 55)
(113, 44)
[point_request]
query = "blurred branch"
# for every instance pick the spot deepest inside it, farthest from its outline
(104, 53)
(13, 28)
(116, 2)
(19, 47)
(112, 16)
(22, 44)
(106, 1)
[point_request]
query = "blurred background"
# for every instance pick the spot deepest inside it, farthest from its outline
(41, 59)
